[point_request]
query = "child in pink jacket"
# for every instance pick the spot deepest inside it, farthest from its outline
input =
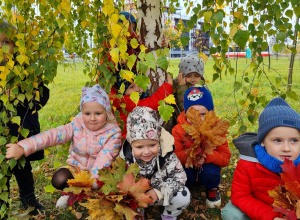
(95, 136)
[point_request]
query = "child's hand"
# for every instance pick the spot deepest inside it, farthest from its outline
(277, 218)
(152, 195)
(14, 151)
(202, 160)
(164, 42)
(181, 80)
(169, 79)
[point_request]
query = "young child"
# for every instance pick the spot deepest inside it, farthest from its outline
(200, 99)
(95, 136)
(257, 172)
(191, 71)
(152, 149)
(29, 120)
(152, 102)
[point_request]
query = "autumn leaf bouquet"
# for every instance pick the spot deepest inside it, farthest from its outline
(120, 195)
(287, 195)
(203, 136)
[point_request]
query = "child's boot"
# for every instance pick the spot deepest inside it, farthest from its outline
(31, 201)
(167, 217)
(213, 198)
(62, 202)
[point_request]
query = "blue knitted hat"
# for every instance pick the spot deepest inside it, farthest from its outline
(129, 17)
(198, 96)
(277, 113)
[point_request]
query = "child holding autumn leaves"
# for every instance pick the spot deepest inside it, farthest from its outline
(261, 157)
(200, 99)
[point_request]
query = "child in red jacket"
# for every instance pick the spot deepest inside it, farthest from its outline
(152, 102)
(200, 99)
(258, 169)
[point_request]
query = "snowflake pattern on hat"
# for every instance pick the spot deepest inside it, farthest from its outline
(95, 94)
(142, 123)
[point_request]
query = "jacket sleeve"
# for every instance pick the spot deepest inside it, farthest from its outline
(152, 102)
(108, 153)
(51, 137)
(173, 181)
(243, 198)
(220, 157)
(179, 148)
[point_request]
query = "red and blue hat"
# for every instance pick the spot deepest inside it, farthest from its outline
(198, 96)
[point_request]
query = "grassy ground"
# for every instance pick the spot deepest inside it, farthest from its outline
(64, 100)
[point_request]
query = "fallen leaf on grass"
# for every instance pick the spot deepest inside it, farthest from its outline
(203, 216)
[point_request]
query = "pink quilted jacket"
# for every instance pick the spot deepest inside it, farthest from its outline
(89, 150)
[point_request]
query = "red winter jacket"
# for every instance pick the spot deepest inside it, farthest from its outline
(163, 91)
(220, 157)
(249, 190)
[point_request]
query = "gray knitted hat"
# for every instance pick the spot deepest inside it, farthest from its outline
(191, 63)
(277, 113)
(5, 25)
(143, 123)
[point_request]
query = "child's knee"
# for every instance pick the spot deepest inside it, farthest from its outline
(231, 212)
(182, 198)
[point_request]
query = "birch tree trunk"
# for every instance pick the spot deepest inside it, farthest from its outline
(150, 27)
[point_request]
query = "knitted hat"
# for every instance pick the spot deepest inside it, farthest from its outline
(129, 17)
(95, 94)
(5, 25)
(198, 96)
(277, 113)
(142, 123)
(191, 63)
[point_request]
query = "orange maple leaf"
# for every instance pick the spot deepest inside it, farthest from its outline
(287, 195)
(82, 182)
(206, 134)
(137, 189)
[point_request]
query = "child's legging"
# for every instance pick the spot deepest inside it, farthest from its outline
(179, 202)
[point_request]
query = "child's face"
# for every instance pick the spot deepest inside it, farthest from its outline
(283, 143)
(201, 109)
(5, 41)
(94, 115)
(133, 88)
(145, 149)
(193, 78)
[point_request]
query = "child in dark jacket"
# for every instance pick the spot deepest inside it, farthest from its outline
(200, 99)
(257, 172)
(151, 147)
(29, 119)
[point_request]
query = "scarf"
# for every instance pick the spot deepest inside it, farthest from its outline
(269, 161)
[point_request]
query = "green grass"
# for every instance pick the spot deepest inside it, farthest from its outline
(64, 99)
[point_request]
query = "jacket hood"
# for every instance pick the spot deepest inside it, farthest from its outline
(245, 143)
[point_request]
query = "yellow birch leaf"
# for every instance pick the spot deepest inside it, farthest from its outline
(134, 43)
(114, 18)
(114, 53)
(21, 59)
(123, 49)
(16, 120)
(204, 57)
(256, 22)
(84, 24)
(127, 75)
(108, 9)
(66, 5)
(115, 29)
(233, 30)
(170, 99)
(143, 48)
(135, 96)
(61, 22)
(20, 18)
(86, 2)
(207, 15)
